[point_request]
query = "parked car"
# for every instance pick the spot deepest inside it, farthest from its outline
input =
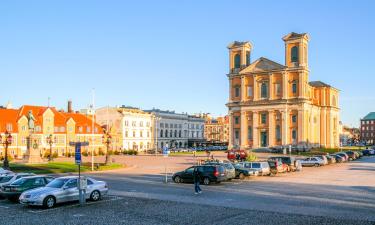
(352, 155)
(242, 172)
(343, 154)
(288, 160)
(339, 159)
(277, 166)
(230, 171)
(209, 174)
(9, 178)
(312, 161)
(63, 189)
(331, 159)
(263, 168)
(13, 190)
(324, 158)
(368, 152)
(238, 155)
(4, 172)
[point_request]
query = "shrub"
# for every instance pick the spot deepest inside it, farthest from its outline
(251, 157)
(54, 155)
(85, 153)
(101, 152)
(125, 152)
(117, 152)
(67, 154)
(10, 158)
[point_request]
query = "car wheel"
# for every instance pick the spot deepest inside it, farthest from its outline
(316, 165)
(95, 196)
(206, 181)
(177, 180)
(49, 202)
(242, 176)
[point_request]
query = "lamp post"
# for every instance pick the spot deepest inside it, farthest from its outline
(107, 139)
(50, 142)
(8, 141)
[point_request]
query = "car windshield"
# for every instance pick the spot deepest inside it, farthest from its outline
(19, 181)
(256, 165)
(5, 179)
(228, 166)
(57, 183)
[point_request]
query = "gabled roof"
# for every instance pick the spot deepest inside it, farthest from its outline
(236, 44)
(262, 65)
(370, 116)
(292, 36)
(319, 84)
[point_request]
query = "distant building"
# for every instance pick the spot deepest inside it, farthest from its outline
(130, 128)
(171, 128)
(196, 130)
(348, 135)
(217, 129)
(65, 127)
(368, 129)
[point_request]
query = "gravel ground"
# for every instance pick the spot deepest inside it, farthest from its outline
(152, 212)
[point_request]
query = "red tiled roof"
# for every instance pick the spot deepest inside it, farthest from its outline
(8, 116)
(83, 121)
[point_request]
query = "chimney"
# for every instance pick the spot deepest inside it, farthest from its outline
(70, 109)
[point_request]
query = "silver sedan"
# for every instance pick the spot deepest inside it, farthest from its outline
(63, 189)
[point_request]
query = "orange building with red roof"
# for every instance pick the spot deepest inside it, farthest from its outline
(63, 126)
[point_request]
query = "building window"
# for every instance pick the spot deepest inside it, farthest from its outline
(278, 89)
(236, 120)
(80, 129)
(141, 123)
(62, 129)
(294, 118)
(247, 58)
(250, 132)
(249, 91)
(264, 90)
(179, 134)
(161, 133)
(170, 133)
(294, 87)
(126, 133)
(141, 133)
(278, 133)
(294, 135)
(175, 133)
(237, 61)
(126, 123)
(294, 54)
(166, 133)
(237, 134)
(162, 125)
(133, 133)
(263, 118)
(236, 91)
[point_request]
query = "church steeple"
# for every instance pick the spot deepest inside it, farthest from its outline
(296, 50)
(239, 55)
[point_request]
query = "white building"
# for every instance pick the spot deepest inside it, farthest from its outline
(132, 125)
(196, 130)
(171, 128)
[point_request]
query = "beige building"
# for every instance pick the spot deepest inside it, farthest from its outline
(131, 128)
(272, 104)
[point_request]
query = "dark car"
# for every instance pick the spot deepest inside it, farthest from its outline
(241, 172)
(368, 152)
(352, 155)
(339, 159)
(230, 172)
(208, 173)
(15, 189)
(287, 160)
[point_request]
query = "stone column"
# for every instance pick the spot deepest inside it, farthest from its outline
(255, 129)
(271, 128)
(301, 85)
(301, 124)
(323, 127)
(243, 88)
(244, 125)
(285, 85)
(230, 90)
(271, 87)
(230, 135)
(285, 127)
(255, 89)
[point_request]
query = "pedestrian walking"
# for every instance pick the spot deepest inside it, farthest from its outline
(197, 179)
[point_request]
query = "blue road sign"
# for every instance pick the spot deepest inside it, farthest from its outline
(165, 151)
(78, 153)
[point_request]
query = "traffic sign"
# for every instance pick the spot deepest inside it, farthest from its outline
(165, 151)
(78, 157)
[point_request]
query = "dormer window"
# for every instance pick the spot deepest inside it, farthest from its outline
(294, 54)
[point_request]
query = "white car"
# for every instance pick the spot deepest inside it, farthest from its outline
(2, 171)
(9, 178)
(312, 161)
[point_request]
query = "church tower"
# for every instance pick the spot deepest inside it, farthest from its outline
(296, 50)
(239, 55)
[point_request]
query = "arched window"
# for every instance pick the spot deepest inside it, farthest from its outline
(294, 54)
(171, 133)
(264, 90)
(294, 87)
(175, 133)
(161, 133)
(294, 136)
(237, 91)
(179, 134)
(247, 58)
(278, 133)
(166, 133)
(237, 61)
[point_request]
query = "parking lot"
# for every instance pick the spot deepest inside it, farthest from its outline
(333, 194)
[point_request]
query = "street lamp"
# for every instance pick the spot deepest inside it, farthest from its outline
(107, 139)
(50, 142)
(8, 141)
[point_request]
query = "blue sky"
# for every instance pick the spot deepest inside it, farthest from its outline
(172, 54)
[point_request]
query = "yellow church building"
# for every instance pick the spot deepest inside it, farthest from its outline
(271, 104)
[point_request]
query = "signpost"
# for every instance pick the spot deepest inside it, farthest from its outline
(165, 155)
(82, 182)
